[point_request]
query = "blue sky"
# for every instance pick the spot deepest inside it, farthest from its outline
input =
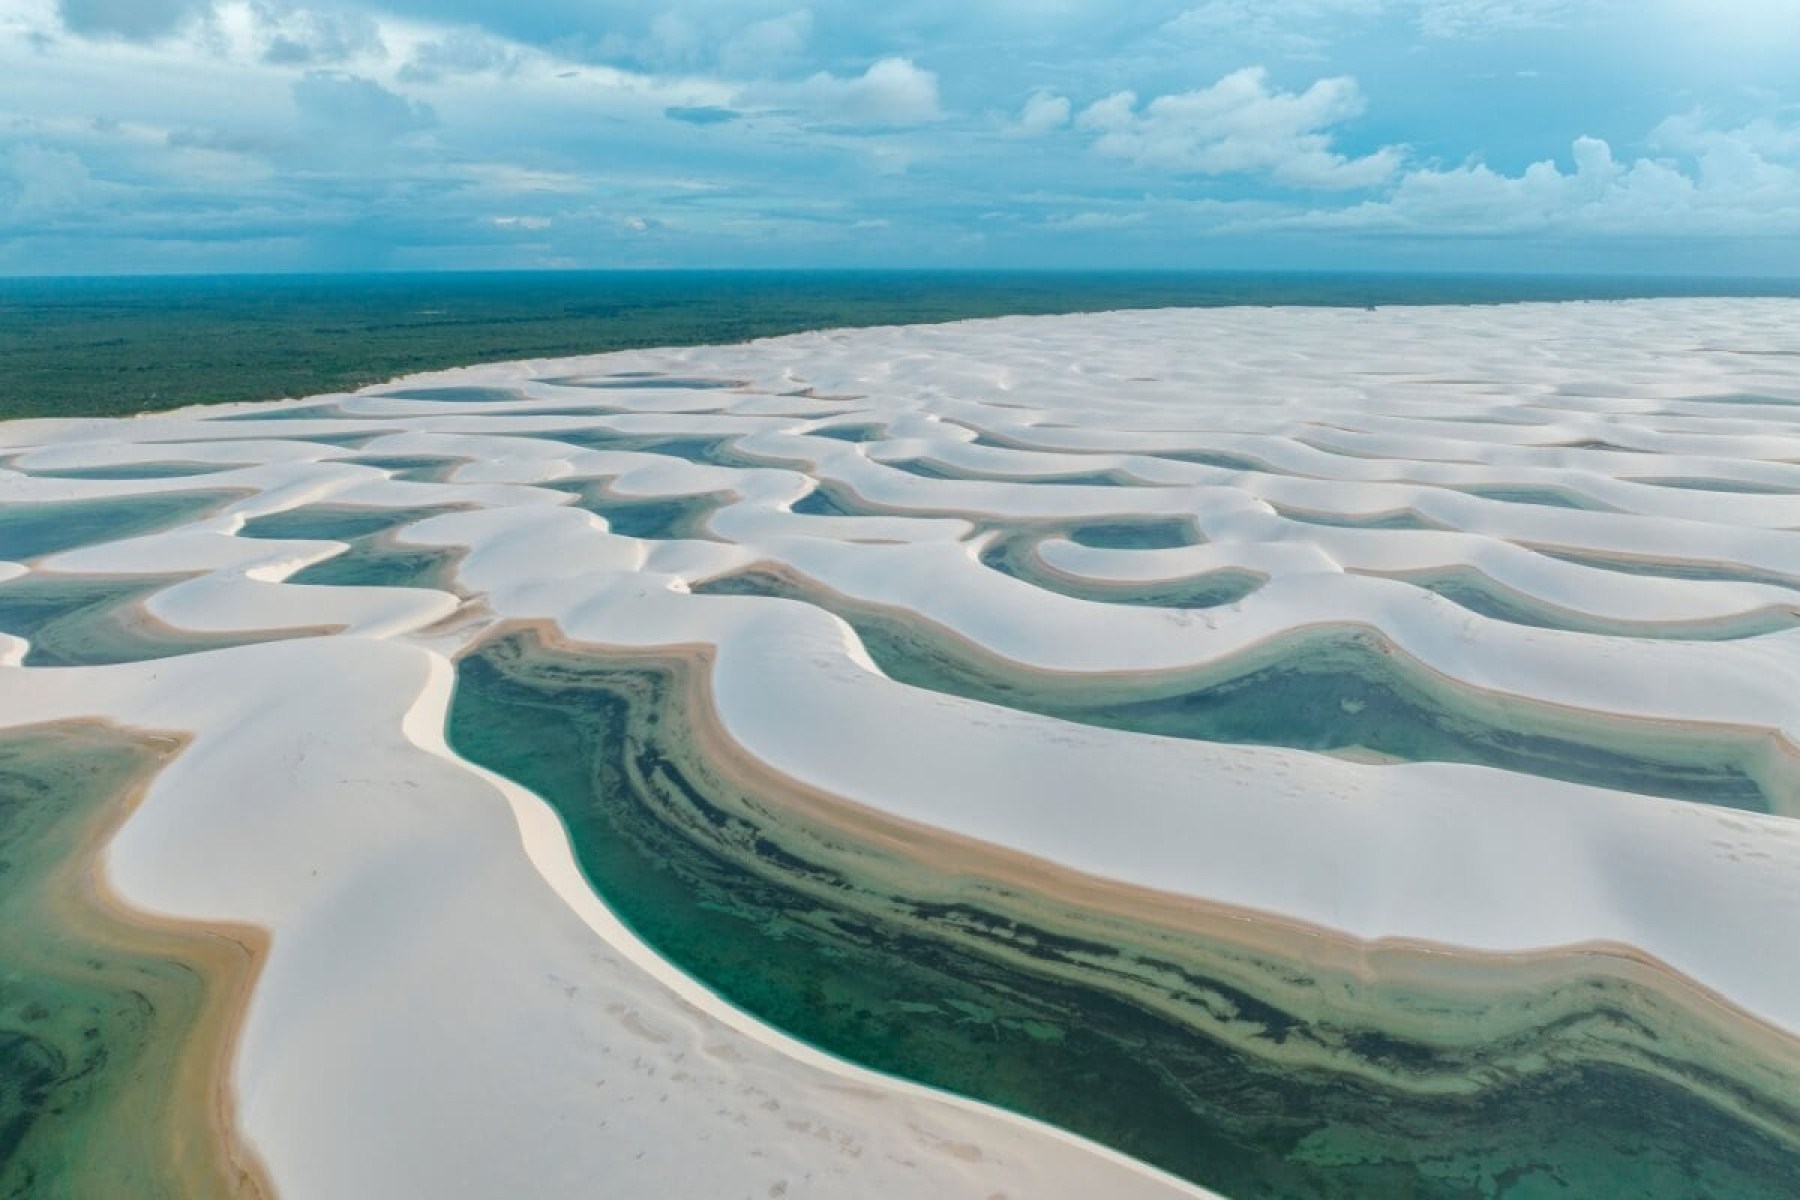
(1574, 135)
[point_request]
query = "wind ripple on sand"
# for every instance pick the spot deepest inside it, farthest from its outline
(1578, 521)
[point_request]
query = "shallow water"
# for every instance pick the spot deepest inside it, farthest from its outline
(453, 395)
(931, 468)
(642, 381)
(718, 451)
(1735, 486)
(96, 1015)
(377, 560)
(341, 441)
(1475, 592)
(1262, 1077)
(148, 470)
(1671, 568)
(850, 433)
(89, 621)
(1016, 555)
(418, 468)
(1137, 533)
(825, 501)
(335, 522)
(1210, 458)
(1334, 691)
(657, 518)
(1404, 519)
(30, 530)
(308, 412)
(1543, 497)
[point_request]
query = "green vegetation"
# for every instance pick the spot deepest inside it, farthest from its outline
(108, 347)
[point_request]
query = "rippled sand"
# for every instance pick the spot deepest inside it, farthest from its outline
(1326, 750)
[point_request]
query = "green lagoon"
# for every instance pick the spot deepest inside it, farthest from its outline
(1336, 690)
(112, 1030)
(96, 620)
(1262, 1075)
(31, 530)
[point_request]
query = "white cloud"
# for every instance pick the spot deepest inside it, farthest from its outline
(346, 117)
(1485, 18)
(459, 52)
(1044, 112)
(1240, 126)
(1084, 221)
(129, 20)
(763, 48)
(1291, 27)
(893, 91)
(675, 40)
(311, 37)
(1734, 182)
(529, 223)
(1301, 27)
(42, 181)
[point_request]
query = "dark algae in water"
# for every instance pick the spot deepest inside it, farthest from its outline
(1265, 1068)
(112, 1029)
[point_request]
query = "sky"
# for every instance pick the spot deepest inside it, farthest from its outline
(1615, 136)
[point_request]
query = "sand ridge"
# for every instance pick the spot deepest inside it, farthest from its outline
(1330, 453)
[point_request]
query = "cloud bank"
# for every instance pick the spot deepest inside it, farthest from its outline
(1469, 134)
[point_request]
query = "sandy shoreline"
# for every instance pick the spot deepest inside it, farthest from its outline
(1762, 1054)
(1763, 747)
(418, 904)
(191, 1109)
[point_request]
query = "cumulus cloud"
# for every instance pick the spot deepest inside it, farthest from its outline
(1726, 182)
(1485, 18)
(311, 37)
(244, 119)
(1301, 27)
(1095, 221)
(460, 52)
(893, 91)
(1240, 126)
(129, 20)
(1289, 26)
(44, 181)
(349, 117)
(220, 141)
(1044, 112)
(763, 48)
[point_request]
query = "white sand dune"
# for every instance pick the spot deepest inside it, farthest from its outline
(448, 1010)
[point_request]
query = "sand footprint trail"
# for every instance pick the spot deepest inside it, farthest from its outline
(1267, 742)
